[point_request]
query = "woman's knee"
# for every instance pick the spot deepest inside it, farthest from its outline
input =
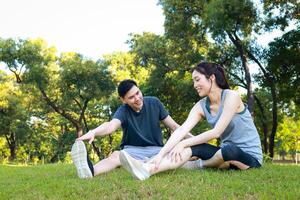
(230, 152)
(204, 151)
(218, 155)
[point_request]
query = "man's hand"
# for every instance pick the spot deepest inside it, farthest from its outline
(88, 136)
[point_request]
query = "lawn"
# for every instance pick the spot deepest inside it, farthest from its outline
(59, 181)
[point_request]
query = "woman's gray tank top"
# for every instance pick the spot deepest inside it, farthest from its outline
(241, 131)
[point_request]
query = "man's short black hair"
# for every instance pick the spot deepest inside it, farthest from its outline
(125, 86)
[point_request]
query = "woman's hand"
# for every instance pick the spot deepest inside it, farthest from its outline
(88, 136)
(156, 160)
(175, 154)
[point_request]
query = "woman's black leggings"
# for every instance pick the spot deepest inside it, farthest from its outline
(230, 152)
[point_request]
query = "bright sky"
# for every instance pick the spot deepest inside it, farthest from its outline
(89, 27)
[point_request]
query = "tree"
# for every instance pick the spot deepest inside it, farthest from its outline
(228, 23)
(283, 61)
(170, 76)
(67, 84)
(13, 115)
(287, 137)
(280, 13)
(223, 19)
(122, 65)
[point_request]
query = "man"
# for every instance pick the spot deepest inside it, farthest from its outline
(142, 138)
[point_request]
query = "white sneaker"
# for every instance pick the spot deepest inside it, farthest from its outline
(135, 167)
(79, 157)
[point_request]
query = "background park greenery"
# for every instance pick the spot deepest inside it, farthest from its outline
(48, 99)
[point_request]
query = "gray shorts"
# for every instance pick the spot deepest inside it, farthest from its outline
(142, 153)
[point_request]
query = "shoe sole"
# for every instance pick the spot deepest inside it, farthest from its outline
(79, 157)
(129, 164)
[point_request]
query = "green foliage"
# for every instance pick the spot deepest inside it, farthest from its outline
(280, 13)
(13, 116)
(83, 78)
(184, 25)
(109, 143)
(267, 158)
(66, 83)
(288, 137)
(121, 65)
(283, 62)
(231, 16)
(4, 151)
(263, 94)
(169, 78)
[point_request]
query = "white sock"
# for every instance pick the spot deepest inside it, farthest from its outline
(195, 164)
(200, 163)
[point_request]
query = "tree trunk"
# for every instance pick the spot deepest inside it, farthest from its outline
(110, 142)
(264, 124)
(12, 149)
(275, 122)
(272, 84)
(96, 149)
(63, 113)
(79, 130)
(12, 144)
(237, 43)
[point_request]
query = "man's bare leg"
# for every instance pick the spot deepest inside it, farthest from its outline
(107, 164)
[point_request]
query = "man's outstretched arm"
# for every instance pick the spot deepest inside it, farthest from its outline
(104, 129)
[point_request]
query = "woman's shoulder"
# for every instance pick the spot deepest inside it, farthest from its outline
(201, 103)
(202, 100)
(233, 99)
(200, 106)
(231, 94)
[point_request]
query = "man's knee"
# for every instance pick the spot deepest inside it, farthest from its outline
(114, 157)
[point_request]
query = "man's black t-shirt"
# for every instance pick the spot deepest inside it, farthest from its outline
(142, 128)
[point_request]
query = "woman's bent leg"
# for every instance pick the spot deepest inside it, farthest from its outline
(238, 158)
(215, 161)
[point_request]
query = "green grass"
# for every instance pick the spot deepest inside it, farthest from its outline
(59, 181)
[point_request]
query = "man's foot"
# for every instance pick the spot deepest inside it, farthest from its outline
(195, 164)
(135, 167)
(80, 159)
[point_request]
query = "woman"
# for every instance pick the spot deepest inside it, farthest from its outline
(230, 120)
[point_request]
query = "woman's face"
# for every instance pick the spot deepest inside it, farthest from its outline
(201, 83)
